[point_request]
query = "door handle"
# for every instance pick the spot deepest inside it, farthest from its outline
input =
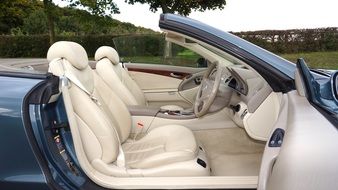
(176, 75)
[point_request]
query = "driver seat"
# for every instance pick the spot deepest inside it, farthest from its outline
(104, 126)
(117, 78)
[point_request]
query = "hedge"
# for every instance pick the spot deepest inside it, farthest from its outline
(37, 45)
(23, 46)
(287, 41)
(294, 41)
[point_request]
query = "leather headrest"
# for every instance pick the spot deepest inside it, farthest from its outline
(107, 52)
(73, 52)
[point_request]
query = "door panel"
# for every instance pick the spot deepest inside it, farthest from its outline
(165, 70)
(271, 152)
(175, 74)
(160, 90)
(161, 84)
(154, 82)
(308, 156)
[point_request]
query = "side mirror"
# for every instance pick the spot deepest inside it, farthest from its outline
(201, 62)
(334, 85)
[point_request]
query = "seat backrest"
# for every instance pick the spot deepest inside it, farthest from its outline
(108, 67)
(99, 120)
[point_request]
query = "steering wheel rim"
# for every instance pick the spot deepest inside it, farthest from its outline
(207, 92)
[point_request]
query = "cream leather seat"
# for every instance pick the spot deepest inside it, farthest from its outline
(118, 79)
(104, 124)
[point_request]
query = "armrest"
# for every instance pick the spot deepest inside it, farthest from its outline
(137, 110)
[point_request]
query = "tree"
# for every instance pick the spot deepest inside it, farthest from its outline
(96, 7)
(182, 7)
(35, 23)
(50, 9)
(13, 13)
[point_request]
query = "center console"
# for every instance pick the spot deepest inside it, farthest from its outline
(137, 110)
(146, 118)
(176, 114)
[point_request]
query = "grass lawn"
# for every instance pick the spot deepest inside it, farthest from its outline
(320, 60)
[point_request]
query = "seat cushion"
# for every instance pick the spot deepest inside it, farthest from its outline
(161, 146)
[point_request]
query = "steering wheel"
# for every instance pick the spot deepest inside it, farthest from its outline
(208, 89)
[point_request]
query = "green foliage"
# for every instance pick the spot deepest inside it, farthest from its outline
(37, 45)
(78, 22)
(13, 13)
(24, 46)
(96, 7)
(188, 53)
(183, 7)
(17, 31)
(32, 19)
(35, 23)
(294, 41)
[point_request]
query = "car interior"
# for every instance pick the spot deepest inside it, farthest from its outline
(140, 130)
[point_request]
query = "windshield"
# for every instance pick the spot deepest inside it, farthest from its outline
(154, 49)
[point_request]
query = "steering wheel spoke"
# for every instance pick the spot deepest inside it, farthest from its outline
(208, 89)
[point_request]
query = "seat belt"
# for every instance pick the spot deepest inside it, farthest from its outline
(75, 81)
(120, 160)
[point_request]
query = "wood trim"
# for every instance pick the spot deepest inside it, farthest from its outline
(161, 72)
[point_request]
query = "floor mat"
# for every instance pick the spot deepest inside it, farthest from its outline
(231, 152)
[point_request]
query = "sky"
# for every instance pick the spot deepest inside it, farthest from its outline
(246, 15)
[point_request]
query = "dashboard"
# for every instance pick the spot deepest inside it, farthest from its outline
(237, 83)
(253, 104)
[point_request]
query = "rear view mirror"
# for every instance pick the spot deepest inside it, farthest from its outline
(334, 85)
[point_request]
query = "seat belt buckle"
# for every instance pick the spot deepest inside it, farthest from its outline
(140, 125)
(139, 129)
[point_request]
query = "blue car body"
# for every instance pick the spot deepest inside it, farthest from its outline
(19, 166)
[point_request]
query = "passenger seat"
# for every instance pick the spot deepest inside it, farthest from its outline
(117, 78)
